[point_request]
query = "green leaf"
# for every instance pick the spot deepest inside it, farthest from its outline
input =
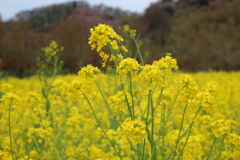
(43, 93)
(47, 106)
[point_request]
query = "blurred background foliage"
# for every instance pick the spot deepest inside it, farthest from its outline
(202, 34)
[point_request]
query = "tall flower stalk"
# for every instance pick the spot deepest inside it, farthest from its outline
(142, 118)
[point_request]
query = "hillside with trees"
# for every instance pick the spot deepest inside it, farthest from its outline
(201, 34)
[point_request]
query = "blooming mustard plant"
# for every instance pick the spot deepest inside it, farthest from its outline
(136, 112)
(104, 35)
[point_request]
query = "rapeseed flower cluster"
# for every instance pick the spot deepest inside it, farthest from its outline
(134, 130)
(118, 102)
(150, 76)
(166, 64)
(205, 100)
(101, 35)
(52, 49)
(104, 35)
(128, 66)
(221, 127)
(82, 83)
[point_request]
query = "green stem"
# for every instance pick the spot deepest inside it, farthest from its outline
(109, 109)
(131, 91)
(149, 103)
(158, 102)
(56, 150)
(36, 144)
(129, 109)
(105, 101)
(55, 69)
(161, 92)
(146, 109)
(138, 50)
(174, 101)
(189, 132)
(9, 125)
(208, 156)
(152, 132)
(180, 129)
(99, 124)
(163, 131)
(147, 116)
(144, 143)
(160, 97)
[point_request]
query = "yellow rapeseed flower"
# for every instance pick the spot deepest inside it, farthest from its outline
(150, 76)
(128, 66)
(135, 130)
(103, 35)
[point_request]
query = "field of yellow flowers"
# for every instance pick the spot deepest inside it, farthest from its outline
(133, 111)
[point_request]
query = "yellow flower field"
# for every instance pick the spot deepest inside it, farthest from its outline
(134, 111)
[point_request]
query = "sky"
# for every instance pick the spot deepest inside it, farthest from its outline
(8, 8)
